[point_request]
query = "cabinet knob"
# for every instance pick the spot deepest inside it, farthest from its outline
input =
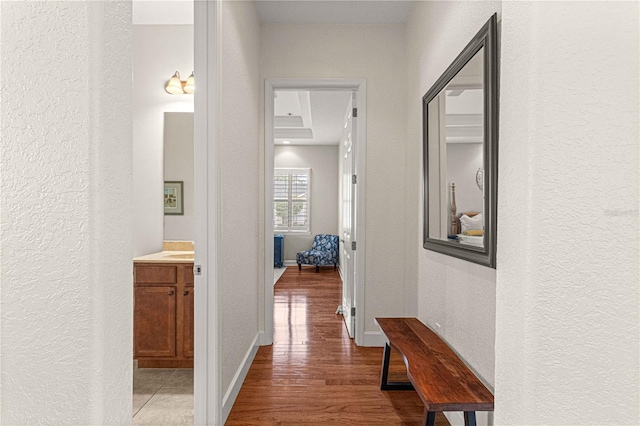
(185, 293)
(171, 293)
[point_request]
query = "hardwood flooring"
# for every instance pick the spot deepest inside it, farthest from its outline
(313, 373)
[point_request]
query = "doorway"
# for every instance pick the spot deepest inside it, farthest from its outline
(353, 255)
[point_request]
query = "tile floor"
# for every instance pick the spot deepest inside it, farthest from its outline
(163, 396)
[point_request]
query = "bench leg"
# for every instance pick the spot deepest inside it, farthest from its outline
(429, 418)
(384, 376)
(469, 418)
(385, 367)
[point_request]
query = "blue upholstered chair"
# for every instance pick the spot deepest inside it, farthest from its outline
(324, 251)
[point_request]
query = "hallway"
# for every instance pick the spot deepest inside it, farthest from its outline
(314, 373)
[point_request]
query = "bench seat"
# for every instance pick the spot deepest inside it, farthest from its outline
(438, 375)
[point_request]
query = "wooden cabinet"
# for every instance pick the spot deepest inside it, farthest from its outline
(163, 315)
(155, 321)
(187, 330)
(187, 301)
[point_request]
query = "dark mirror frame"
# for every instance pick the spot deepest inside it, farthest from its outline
(487, 38)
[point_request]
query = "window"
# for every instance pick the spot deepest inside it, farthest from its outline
(291, 200)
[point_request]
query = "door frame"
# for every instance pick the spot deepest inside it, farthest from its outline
(359, 85)
(207, 207)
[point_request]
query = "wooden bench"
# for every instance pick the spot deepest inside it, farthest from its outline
(437, 374)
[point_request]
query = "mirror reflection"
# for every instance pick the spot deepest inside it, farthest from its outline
(456, 157)
(460, 119)
(178, 167)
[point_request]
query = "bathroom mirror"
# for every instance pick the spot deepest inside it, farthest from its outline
(460, 131)
(178, 166)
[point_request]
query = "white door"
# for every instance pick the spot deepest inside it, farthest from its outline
(347, 150)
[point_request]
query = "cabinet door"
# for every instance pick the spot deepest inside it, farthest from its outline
(155, 321)
(188, 322)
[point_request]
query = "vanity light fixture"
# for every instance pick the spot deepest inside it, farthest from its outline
(175, 86)
(190, 85)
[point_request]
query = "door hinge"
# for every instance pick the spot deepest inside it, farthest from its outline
(354, 179)
(354, 113)
(353, 312)
(197, 270)
(353, 245)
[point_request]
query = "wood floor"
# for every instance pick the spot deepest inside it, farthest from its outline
(313, 373)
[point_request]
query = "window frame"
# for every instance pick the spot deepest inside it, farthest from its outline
(288, 171)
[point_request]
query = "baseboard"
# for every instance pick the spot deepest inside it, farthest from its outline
(374, 339)
(290, 263)
(236, 383)
(263, 339)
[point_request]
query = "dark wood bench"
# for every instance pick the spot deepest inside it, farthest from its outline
(437, 374)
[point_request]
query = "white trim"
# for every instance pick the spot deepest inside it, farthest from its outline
(207, 136)
(361, 172)
(261, 339)
(269, 152)
(236, 383)
(373, 338)
(290, 263)
(359, 85)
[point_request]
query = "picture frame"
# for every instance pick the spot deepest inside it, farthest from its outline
(173, 198)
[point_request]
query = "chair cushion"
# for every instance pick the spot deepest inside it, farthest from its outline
(324, 251)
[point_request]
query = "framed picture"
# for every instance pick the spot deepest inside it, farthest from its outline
(173, 198)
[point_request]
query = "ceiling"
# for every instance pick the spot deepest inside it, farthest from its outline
(316, 117)
(309, 117)
(180, 12)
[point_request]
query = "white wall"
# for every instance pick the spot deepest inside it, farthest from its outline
(323, 162)
(163, 12)
(463, 161)
(178, 166)
(158, 52)
(567, 327)
(66, 245)
(239, 177)
(377, 53)
(458, 295)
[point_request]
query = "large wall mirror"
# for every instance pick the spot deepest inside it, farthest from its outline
(460, 124)
(178, 167)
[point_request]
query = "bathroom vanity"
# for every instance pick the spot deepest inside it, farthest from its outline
(163, 310)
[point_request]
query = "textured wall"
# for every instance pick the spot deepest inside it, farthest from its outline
(65, 292)
(323, 162)
(458, 295)
(567, 322)
(239, 175)
(158, 52)
(377, 53)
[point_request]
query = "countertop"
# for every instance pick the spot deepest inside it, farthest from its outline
(166, 257)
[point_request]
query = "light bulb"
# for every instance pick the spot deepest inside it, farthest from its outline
(174, 85)
(190, 85)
